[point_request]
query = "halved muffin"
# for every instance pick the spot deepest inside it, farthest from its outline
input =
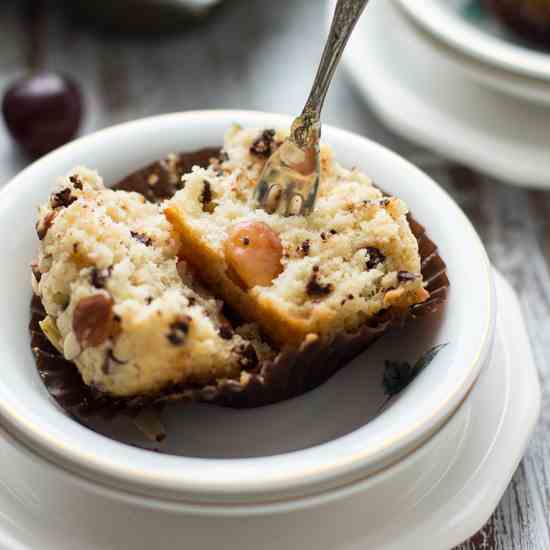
(299, 277)
(120, 304)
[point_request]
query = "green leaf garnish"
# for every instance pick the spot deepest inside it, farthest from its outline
(397, 376)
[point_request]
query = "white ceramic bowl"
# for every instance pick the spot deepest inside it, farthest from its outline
(490, 58)
(29, 415)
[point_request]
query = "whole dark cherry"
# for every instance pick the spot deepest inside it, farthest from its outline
(43, 111)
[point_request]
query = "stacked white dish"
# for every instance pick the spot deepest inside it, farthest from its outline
(470, 36)
(448, 76)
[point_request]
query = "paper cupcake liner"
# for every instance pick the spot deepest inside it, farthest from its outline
(291, 373)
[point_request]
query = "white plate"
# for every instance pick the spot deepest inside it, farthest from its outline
(482, 46)
(320, 460)
(420, 94)
(461, 475)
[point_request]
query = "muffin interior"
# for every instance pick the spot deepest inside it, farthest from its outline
(354, 256)
(120, 282)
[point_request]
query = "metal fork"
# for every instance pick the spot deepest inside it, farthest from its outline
(290, 179)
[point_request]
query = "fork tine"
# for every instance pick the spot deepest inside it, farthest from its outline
(273, 198)
(295, 205)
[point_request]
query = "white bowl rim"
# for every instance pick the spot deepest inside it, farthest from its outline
(456, 33)
(237, 480)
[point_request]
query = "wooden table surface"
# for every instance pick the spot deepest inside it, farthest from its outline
(257, 54)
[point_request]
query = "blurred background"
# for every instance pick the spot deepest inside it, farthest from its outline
(129, 59)
(242, 54)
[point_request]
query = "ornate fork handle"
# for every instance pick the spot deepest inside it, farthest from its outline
(290, 179)
(307, 127)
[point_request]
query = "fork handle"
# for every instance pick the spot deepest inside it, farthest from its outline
(346, 15)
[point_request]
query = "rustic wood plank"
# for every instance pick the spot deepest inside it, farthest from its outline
(484, 539)
(14, 56)
(540, 205)
(509, 225)
(68, 48)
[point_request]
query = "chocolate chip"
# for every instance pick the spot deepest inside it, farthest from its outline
(206, 195)
(36, 272)
(92, 320)
(43, 228)
(149, 300)
(76, 181)
(246, 241)
(305, 246)
(263, 146)
(99, 276)
(226, 332)
(142, 238)
(374, 257)
(323, 236)
(178, 331)
(333, 232)
(248, 359)
(62, 198)
(316, 289)
(315, 269)
(406, 276)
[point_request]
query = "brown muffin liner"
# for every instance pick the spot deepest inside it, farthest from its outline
(291, 373)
